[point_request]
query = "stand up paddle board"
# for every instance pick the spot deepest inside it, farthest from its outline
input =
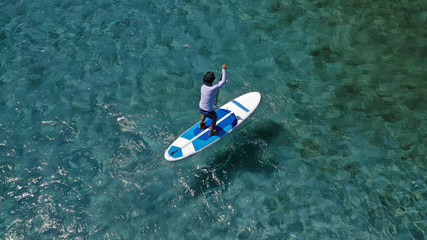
(230, 116)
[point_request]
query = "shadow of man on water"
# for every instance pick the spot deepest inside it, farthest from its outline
(247, 155)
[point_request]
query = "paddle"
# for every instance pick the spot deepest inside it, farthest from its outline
(216, 99)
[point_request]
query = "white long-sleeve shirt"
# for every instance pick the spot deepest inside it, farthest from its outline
(208, 93)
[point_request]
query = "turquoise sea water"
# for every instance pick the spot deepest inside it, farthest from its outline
(93, 92)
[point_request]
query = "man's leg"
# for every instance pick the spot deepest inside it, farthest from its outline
(212, 130)
(202, 122)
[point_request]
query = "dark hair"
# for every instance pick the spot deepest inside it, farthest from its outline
(209, 78)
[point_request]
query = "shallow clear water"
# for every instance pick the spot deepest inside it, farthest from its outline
(93, 92)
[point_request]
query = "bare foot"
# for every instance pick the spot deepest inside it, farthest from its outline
(214, 132)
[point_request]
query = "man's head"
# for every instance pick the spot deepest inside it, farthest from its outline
(209, 78)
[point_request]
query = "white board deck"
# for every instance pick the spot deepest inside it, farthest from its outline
(230, 116)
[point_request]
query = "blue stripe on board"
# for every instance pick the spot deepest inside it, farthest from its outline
(195, 130)
(240, 105)
(223, 127)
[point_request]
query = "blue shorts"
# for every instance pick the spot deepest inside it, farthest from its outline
(212, 114)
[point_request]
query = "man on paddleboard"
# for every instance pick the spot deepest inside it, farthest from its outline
(208, 96)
